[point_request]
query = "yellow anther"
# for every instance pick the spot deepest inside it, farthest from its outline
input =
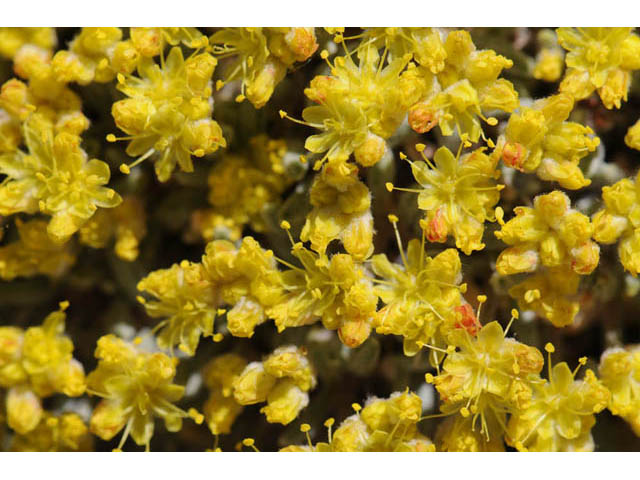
(493, 121)
(64, 305)
(356, 406)
(240, 98)
(197, 416)
(218, 337)
(111, 138)
(324, 54)
(549, 347)
(582, 360)
(329, 422)
(285, 225)
(420, 147)
(141, 299)
(428, 378)
(393, 218)
(464, 411)
(403, 156)
(389, 186)
(515, 314)
(282, 113)
(481, 298)
(219, 84)
(305, 427)
(124, 168)
(248, 442)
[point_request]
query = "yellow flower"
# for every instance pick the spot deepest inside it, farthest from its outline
(458, 194)
(87, 59)
(383, 425)
(539, 139)
(136, 387)
(620, 372)
(283, 379)
(551, 294)
(55, 178)
(561, 413)
(422, 297)
(359, 106)
(35, 253)
(466, 87)
(221, 409)
(55, 433)
(341, 210)
(487, 376)
(619, 220)
(262, 57)
(36, 364)
(167, 112)
(337, 291)
(551, 234)
(187, 302)
(599, 58)
(425, 44)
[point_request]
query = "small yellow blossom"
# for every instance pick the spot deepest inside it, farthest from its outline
(262, 56)
(36, 364)
(341, 210)
(55, 178)
(337, 291)
(550, 234)
(620, 372)
(632, 138)
(167, 114)
(136, 387)
(422, 298)
(551, 293)
(467, 87)
(619, 220)
(561, 413)
(540, 139)
(283, 379)
(458, 193)
(599, 58)
(187, 302)
(487, 376)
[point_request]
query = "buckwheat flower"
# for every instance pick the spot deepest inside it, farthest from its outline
(126, 224)
(425, 44)
(34, 253)
(167, 115)
(341, 210)
(551, 293)
(561, 413)
(247, 280)
(620, 372)
(336, 290)
(221, 409)
(88, 56)
(283, 379)
(599, 58)
(619, 220)
(422, 296)
(540, 139)
(186, 300)
(56, 178)
(458, 193)
(465, 89)
(13, 38)
(261, 57)
(488, 374)
(550, 234)
(136, 387)
(55, 433)
(359, 105)
(35, 364)
(549, 62)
